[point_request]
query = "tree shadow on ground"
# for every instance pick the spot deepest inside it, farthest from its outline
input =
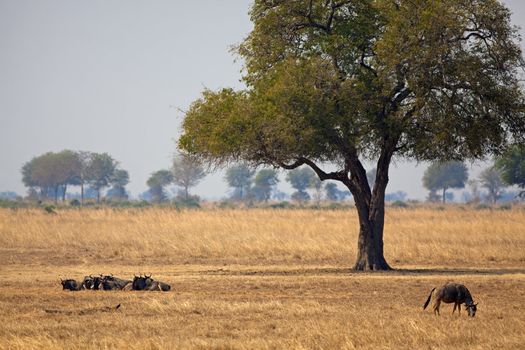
(348, 271)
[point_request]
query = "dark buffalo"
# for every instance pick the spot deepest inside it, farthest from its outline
(119, 283)
(453, 293)
(88, 282)
(71, 284)
(147, 283)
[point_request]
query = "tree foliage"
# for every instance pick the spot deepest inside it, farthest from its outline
(512, 166)
(157, 183)
(99, 171)
(445, 175)
(118, 183)
(490, 179)
(264, 184)
(301, 179)
(344, 81)
(52, 173)
(239, 177)
(187, 172)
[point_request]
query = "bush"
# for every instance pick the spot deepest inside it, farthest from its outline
(74, 203)
(192, 202)
(50, 209)
(506, 206)
(399, 204)
(282, 205)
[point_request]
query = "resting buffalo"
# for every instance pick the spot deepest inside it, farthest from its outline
(70, 284)
(147, 283)
(114, 283)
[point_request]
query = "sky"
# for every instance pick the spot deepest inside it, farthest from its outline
(113, 76)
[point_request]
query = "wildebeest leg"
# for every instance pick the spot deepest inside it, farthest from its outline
(455, 305)
(436, 306)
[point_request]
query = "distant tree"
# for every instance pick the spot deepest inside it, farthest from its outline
(240, 178)
(9, 195)
(264, 183)
(52, 173)
(157, 183)
(445, 175)
(99, 171)
(332, 192)
(512, 167)
(186, 173)
(396, 196)
(84, 158)
(490, 179)
(68, 170)
(317, 186)
(27, 177)
(118, 182)
(301, 179)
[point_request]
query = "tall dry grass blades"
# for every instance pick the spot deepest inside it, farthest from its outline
(418, 236)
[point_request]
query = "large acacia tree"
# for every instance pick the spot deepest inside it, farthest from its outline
(342, 81)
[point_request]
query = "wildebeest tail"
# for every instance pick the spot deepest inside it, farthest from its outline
(428, 300)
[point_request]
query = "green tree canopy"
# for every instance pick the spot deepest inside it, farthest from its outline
(445, 175)
(99, 171)
(239, 177)
(264, 183)
(187, 172)
(157, 183)
(490, 179)
(52, 172)
(301, 179)
(118, 183)
(512, 167)
(344, 81)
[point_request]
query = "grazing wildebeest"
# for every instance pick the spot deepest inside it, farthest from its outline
(147, 283)
(70, 284)
(453, 293)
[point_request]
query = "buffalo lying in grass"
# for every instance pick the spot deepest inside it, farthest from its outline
(110, 282)
(107, 282)
(147, 283)
(71, 284)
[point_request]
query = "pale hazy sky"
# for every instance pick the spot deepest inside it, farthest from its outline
(101, 75)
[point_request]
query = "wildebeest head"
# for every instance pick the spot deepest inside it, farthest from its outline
(142, 283)
(471, 309)
(89, 282)
(70, 284)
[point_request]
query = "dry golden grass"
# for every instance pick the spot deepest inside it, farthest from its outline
(262, 279)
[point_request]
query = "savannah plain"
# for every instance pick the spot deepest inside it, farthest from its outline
(260, 279)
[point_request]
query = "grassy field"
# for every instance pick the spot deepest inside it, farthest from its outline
(260, 279)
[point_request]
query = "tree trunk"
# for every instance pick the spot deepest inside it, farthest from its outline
(64, 193)
(98, 195)
(444, 194)
(370, 254)
(371, 211)
(82, 194)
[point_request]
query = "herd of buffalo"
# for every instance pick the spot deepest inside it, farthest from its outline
(110, 282)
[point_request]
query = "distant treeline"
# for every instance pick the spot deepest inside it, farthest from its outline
(49, 175)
